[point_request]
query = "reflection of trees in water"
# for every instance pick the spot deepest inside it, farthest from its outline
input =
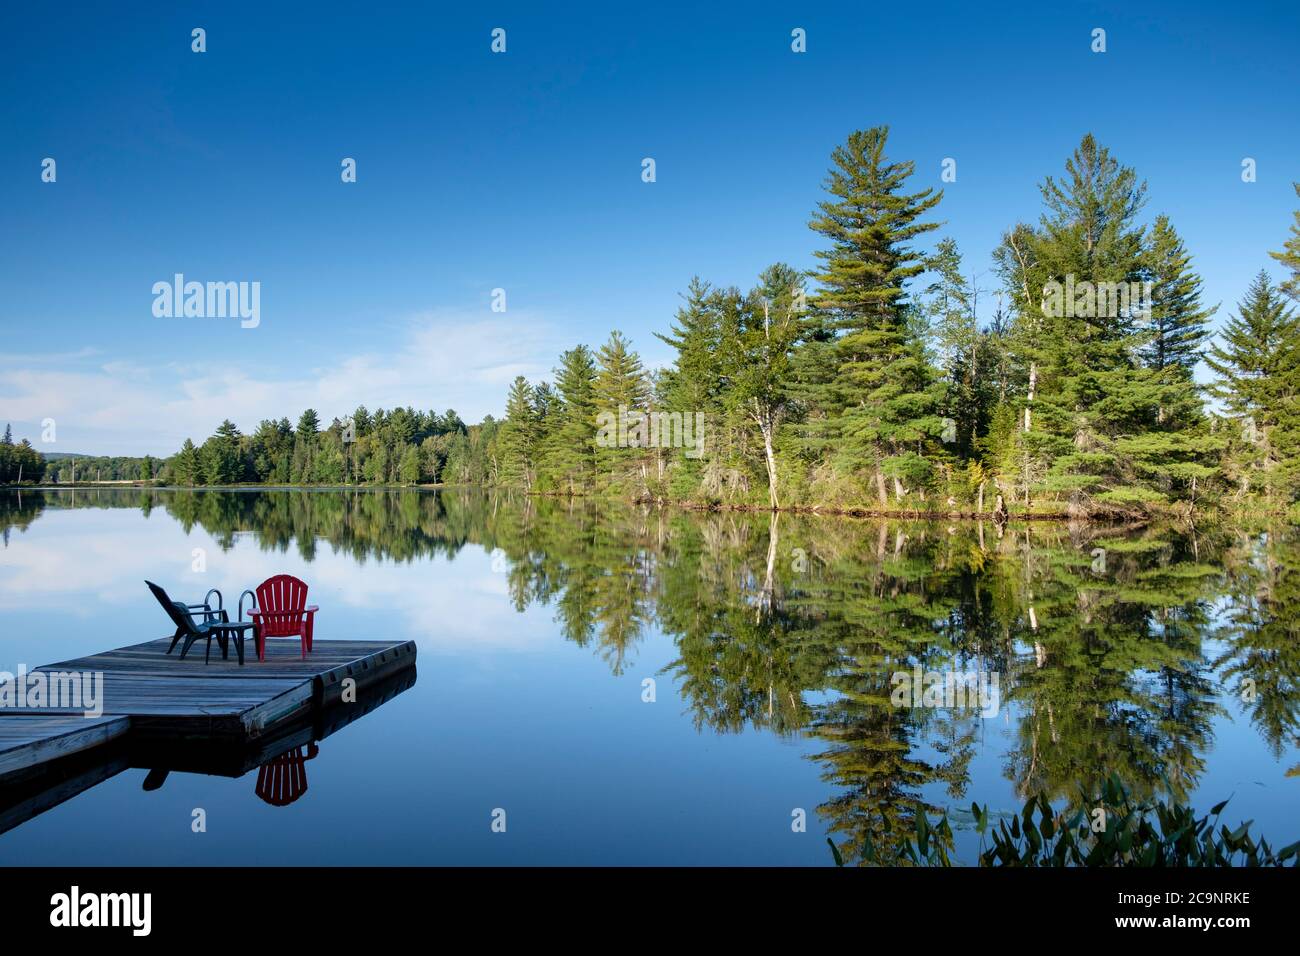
(1111, 676)
(739, 662)
(1260, 631)
(795, 625)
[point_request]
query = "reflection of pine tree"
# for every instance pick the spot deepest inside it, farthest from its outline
(737, 666)
(19, 510)
(591, 561)
(1262, 634)
(1093, 708)
(1176, 586)
(575, 568)
(873, 617)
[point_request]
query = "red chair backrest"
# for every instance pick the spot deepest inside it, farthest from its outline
(281, 600)
(284, 779)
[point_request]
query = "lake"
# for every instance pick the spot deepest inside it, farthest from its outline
(648, 686)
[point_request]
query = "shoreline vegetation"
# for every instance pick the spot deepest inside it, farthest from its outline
(711, 507)
(871, 385)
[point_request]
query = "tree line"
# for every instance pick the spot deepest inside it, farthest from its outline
(19, 462)
(869, 383)
(91, 468)
(400, 446)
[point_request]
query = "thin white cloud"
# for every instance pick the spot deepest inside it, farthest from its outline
(114, 405)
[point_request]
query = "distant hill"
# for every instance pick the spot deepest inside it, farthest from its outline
(64, 455)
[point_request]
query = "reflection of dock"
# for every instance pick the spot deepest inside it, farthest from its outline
(164, 713)
(27, 793)
(29, 741)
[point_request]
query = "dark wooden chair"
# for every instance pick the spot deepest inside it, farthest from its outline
(187, 628)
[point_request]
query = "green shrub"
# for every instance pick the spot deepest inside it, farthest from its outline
(1106, 829)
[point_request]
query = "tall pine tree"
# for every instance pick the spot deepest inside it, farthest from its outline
(1290, 256)
(518, 439)
(864, 373)
(1176, 453)
(964, 354)
(621, 392)
(1178, 325)
(1258, 367)
(570, 452)
(1092, 427)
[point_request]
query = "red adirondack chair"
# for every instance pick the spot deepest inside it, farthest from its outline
(283, 780)
(282, 611)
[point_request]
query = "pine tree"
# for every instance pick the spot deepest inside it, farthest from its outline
(620, 378)
(1253, 358)
(1091, 404)
(304, 448)
(1258, 368)
(308, 424)
(1174, 453)
(518, 438)
(693, 380)
(570, 452)
(1089, 235)
(864, 372)
(544, 400)
(8, 457)
(621, 393)
(188, 468)
(1178, 326)
(964, 354)
(220, 458)
(1290, 256)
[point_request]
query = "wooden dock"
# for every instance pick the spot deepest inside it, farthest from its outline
(149, 695)
(38, 787)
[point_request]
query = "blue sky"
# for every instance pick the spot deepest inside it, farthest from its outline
(522, 171)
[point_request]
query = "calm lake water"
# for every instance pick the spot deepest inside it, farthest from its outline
(1169, 658)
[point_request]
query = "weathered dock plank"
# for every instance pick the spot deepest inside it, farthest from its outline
(213, 706)
(283, 659)
(25, 740)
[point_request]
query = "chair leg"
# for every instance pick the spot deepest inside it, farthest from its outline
(176, 637)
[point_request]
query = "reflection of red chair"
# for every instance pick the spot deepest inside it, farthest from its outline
(284, 779)
(282, 611)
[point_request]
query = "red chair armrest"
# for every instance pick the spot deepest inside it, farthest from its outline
(312, 608)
